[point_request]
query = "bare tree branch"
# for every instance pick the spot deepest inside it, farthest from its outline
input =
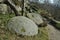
(12, 6)
(22, 7)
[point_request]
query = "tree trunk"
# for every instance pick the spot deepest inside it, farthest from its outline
(22, 7)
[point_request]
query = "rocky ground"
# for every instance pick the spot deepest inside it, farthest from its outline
(54, 34)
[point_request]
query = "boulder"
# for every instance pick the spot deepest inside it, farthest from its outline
(22, 26)
(3, 8)
(35, 17)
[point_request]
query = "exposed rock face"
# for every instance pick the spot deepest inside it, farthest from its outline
(23, 25)
(35, 17)
(3, 8)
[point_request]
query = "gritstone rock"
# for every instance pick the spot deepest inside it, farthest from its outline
(22, 25)
(3, 8)
(35, 17)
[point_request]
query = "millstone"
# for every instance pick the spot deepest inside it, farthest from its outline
(35, 17)
(22, 25)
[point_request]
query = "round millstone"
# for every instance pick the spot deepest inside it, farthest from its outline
(22, 25)
(35, 17)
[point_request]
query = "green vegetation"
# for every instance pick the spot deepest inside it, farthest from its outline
(58, 25)
(5, 34)
(22, 30)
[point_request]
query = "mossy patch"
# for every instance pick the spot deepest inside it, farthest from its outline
(22, 30)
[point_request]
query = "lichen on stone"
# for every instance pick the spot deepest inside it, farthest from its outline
(23, 25)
